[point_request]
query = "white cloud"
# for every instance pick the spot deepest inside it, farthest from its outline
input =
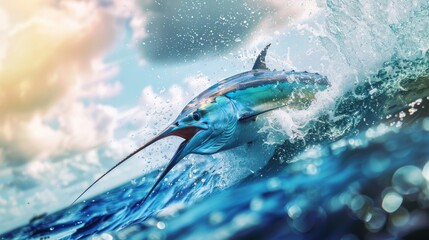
(51, 70)
(51, 58)
(130, 11)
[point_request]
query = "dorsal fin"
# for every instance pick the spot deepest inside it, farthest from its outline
(260, 61)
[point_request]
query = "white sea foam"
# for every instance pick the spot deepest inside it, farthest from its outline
(355, 39)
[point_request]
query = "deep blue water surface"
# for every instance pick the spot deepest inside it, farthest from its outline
(373, 186)
(360, 171)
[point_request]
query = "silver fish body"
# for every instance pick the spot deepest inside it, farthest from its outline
(241, 98)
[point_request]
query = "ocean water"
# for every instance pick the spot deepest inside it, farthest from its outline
(355, 165)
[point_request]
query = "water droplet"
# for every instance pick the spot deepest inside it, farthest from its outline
(377, 220)
(294, 211)
(357, 203)
(160, 225)
(216, 218)
(391, 201)
(361, 206)
(273, 183)
(245, 220)
(311, 169)
(400, 217)
(373, 91)
(407, 180)
(256, 204)
(425, 171)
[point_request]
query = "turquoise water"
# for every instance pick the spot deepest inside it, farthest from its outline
(358, 168)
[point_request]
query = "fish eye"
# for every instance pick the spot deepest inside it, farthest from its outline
(196, 116)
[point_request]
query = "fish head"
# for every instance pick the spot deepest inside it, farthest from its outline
(208, 126)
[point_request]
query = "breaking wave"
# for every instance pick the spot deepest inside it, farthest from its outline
(375, 56)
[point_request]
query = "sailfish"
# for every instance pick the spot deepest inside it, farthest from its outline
(226, 114)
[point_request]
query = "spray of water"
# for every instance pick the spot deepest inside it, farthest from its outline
(358, 39)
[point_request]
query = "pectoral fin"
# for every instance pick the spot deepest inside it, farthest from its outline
(251, 116)
(179, 155)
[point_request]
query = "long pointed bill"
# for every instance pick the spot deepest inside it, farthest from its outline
(179, 155)
(186, 132)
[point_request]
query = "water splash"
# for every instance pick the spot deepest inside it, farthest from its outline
(374, 56)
